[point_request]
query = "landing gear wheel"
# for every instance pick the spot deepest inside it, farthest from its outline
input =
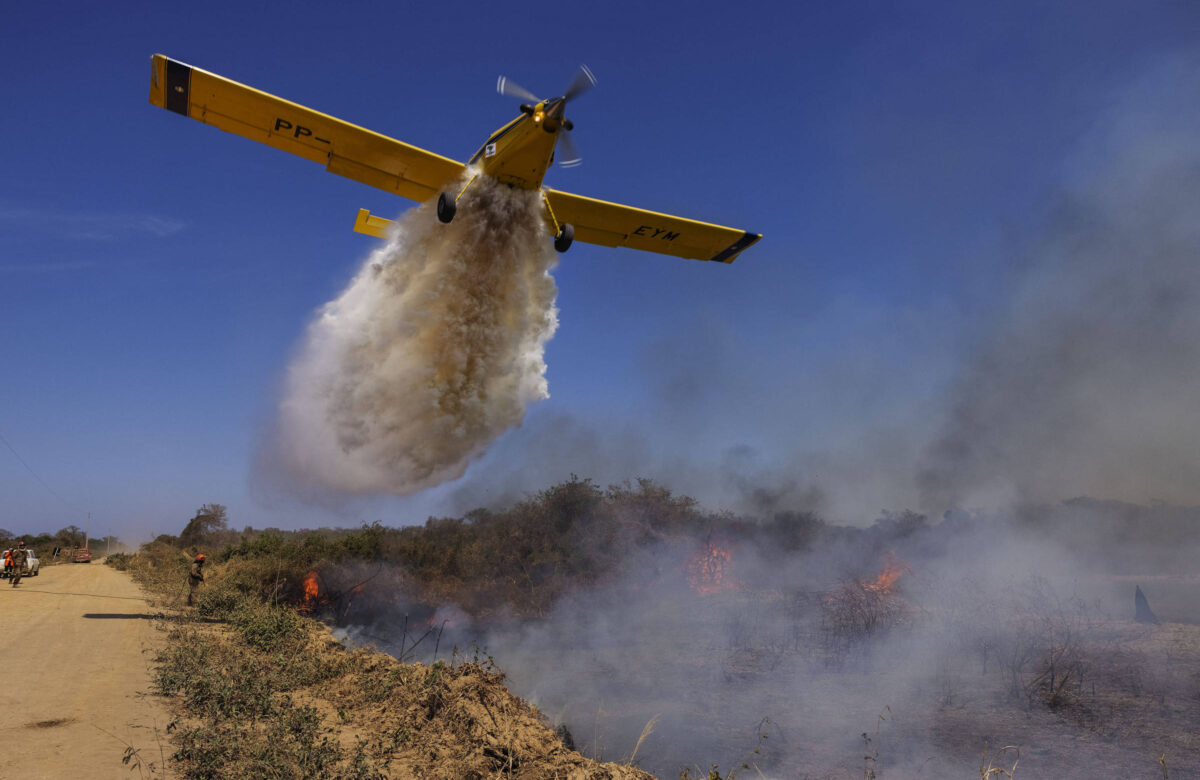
(562, 242)
(446, 207)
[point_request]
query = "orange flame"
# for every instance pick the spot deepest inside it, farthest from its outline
(706, 570)
(311, 589)
(893, 567)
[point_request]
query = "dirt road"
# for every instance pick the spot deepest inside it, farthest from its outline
(75, 653)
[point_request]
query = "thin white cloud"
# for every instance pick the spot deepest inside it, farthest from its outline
(50, 266)
(89, 226)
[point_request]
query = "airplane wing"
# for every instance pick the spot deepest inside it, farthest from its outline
(345, 149)
(611, 224)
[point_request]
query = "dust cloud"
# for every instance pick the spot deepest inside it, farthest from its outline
(434, 350)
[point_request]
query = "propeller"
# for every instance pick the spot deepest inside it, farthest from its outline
(512, 89)
(570, 155)
(583, 81)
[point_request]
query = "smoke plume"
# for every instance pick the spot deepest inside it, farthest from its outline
(434, 350)
(1084, 384)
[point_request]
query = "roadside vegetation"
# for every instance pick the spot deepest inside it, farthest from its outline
(67, 540)
(263, 690)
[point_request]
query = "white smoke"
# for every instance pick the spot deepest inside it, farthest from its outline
(434, 350)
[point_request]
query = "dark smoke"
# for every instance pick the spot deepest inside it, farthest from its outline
(1086, 383)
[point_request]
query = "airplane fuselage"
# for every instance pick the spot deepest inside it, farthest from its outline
(520, 152)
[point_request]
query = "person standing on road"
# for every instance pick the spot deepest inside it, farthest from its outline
(195, 576)
(18, 559)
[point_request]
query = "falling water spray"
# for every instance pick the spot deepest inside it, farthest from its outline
(433, 350)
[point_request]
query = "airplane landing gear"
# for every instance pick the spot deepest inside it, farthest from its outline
(562, 242)
(446, 207)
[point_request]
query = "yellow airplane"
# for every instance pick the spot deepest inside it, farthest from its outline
(518, 154)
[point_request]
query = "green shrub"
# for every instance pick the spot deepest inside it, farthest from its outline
(294, 745)
(218, 602)
(214, 681)
(267, 627)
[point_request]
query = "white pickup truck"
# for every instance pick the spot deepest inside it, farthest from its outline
(32, 566)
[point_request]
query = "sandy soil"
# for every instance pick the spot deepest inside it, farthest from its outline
(74, 652)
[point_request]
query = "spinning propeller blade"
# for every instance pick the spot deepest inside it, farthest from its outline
(570, 155)
(583, 81)
(512, 89)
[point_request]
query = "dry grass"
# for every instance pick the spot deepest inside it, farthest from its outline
(647, 730)
(261, 691)
(987, 768)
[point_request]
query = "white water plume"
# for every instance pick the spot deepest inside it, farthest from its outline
(434, 350)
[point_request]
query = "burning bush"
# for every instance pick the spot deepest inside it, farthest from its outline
(707, 568)
(857, 608)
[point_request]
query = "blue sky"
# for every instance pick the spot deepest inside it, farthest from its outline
(156, 275)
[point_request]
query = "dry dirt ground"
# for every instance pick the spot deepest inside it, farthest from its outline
(74, 656)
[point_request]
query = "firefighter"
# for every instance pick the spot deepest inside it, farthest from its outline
(18, 562)
(195, 576)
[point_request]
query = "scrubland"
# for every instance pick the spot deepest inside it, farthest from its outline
(686, 642)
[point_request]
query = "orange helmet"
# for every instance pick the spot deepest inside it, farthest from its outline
(200, 557)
